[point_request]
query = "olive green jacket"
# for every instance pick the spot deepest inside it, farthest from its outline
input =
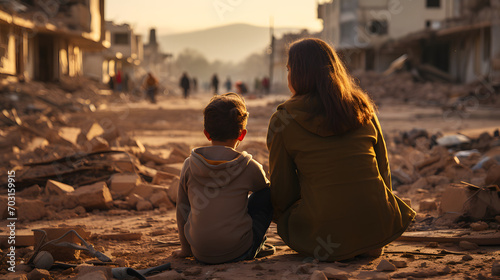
(332, 194)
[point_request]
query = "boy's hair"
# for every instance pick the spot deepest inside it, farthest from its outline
(225, 116)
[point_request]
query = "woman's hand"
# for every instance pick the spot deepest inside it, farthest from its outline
(182, 253)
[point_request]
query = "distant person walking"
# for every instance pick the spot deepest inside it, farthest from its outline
(151, 86)
(118, 80)
(228, 84)
(257, 85)
(195, 84)
(185, 84)
(215, 84)
(266, 85)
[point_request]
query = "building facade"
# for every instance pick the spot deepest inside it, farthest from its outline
(455, 40)
(44, 40)
(123, 56)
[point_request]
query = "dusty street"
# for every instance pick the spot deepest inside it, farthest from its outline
(146, 238)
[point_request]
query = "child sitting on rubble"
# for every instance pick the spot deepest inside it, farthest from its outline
(217, 221)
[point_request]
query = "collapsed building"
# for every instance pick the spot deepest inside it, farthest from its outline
(45, 40)
(452, 41)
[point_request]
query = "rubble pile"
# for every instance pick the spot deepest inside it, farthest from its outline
(451, 176)
(402, 87)
(67, 169)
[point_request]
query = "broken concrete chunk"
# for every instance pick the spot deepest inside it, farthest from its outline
(30, 210)
(57, 188)
(67, 201)
(94, 130)
(163, 178)
(161, 197)
(94, 272)
(39, 274)
(146, 190)
(427, 205)
(121, 184)
(479, 226)
(335, 273)
(144, 205)
(95, 196)
(399, 264)
(98, 144)
(385, 265)
(133, 199)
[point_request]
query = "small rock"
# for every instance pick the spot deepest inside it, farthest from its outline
(466, 245)
(423, 264)
(193, 271)
(432, 245)
(467, 258)
(318, 275)
(144, 205)
(385, 265)
(333, 273)
(39, 274)
(399, 264)
(495, 269)
(479, 226)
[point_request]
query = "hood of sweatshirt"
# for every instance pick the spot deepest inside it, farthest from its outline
(300, 108)
(217, 166)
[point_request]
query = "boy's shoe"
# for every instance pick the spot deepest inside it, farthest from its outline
(266, 250)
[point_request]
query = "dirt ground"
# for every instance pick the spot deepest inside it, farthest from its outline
(175, 120)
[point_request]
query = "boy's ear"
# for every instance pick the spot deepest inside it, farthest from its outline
(207, 135)
(243, 133)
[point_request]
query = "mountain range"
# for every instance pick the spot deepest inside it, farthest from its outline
(229, 43)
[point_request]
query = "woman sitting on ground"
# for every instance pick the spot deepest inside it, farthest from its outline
(330, 179)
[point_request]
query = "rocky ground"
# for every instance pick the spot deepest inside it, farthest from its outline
(104, 164)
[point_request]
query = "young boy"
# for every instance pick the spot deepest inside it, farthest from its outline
(217, 221)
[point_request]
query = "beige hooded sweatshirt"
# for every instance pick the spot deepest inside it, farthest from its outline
(212, 214)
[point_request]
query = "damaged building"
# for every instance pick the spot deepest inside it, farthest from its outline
(449, 40)
(125, 53)
(45, 40)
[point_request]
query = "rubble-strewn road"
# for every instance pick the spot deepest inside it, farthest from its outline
(131, 218)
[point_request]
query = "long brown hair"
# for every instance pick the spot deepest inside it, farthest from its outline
(317, 73)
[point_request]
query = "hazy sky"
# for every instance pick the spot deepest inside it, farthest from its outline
(171, 16)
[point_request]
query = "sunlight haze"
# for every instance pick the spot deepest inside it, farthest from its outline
(170, 16)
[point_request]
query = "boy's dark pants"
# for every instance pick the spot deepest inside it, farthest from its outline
(261, 211)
